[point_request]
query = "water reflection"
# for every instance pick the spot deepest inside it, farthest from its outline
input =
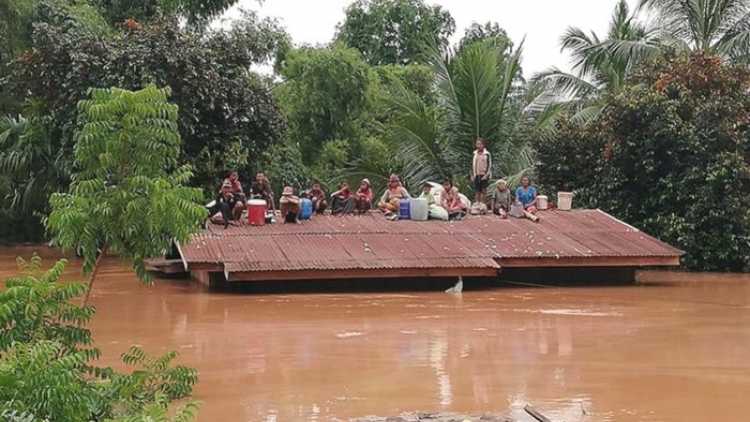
(438, 354)
(646, 354)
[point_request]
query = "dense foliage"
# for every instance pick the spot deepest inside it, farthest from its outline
(226, 113)
(46, 361)
(571, 160)
(326, 93)
(672, 157)
(128, 195)
(395, 31)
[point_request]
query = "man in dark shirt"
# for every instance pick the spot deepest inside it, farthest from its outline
(227, 207)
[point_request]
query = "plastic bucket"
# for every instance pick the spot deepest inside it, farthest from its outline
(305, 209)
(564, 201)
(542, 202)
(256, 212)
(404, 209)
(418, 210)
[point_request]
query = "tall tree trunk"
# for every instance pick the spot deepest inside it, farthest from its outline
(94, 271)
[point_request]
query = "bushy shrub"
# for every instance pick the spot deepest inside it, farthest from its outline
(570, 161)
(46, 354)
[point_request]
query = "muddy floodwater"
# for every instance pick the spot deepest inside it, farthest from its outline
(673, 348)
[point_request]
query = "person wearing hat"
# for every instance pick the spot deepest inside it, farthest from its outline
(290, 206)
(363, 197)
(227, 206)
(393, 195)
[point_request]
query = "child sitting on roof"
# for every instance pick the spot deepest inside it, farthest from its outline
(435, 211)
(318, 198)
(290, 206)
(451, 201)
(363, 197)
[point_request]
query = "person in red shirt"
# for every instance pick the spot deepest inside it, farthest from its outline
(234, 181)
(363, 197)
(318, 198)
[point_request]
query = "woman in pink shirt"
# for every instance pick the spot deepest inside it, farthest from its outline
(364, 197)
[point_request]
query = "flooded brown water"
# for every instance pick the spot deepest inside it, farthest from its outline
(676, 348)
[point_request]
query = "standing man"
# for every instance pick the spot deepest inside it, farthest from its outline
(261, 189)
(481, 171)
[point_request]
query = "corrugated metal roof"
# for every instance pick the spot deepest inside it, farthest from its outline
(370, 241)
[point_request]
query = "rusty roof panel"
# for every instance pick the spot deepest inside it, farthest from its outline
(370, 241)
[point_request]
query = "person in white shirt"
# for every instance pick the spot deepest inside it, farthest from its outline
(481, 171)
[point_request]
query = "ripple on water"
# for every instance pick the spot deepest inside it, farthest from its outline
(571, 312)
(349, 334)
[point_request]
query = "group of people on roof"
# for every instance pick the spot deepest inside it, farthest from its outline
(444, 202)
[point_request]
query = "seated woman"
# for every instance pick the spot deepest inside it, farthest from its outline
(434, 211)
(501, 199)
(450, 200)
(261, 189)
(342, 201)
(527, 195)
(289, 206)
(393, 195)
(363, 197)
(318, 198)
(227, 207)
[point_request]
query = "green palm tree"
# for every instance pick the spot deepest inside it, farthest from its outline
(720, 27)
(597, 69)
(715, 26)
(478, 96)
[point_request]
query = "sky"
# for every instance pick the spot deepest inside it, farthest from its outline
(541, 22)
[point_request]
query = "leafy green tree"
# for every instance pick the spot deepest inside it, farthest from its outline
(283, 165)
(417, 78)
(597, 71)
(46, 354)
(227, 115)
(17, 21)
(570, 160)
(673, 158)
(490, 31)
(127, 195)
(325, 95)
(395, 31)
(196, 12)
